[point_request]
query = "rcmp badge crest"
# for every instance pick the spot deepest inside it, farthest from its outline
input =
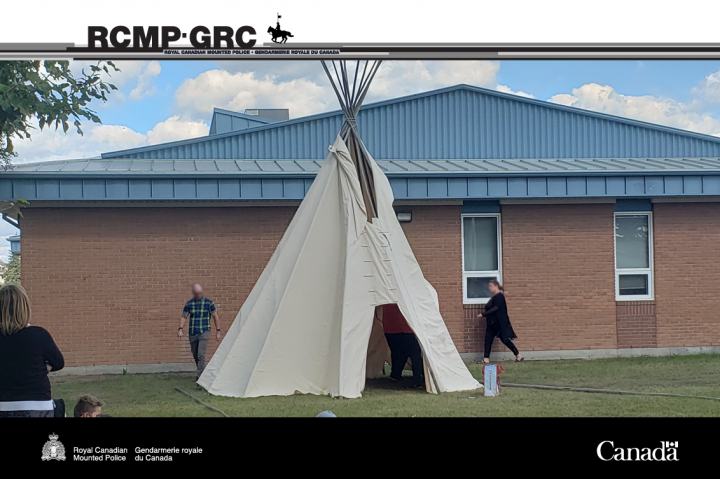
(53, 449)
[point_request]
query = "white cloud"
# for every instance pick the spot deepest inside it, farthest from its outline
(56, 145)
(399, 78)
(304, 90)
(174, 129)
(114, 137)
(145, 86)
(663, 111)
(138, 75)
(196, 97)
(709, 88)
(281, 69)
(507, 89)
(129, 71)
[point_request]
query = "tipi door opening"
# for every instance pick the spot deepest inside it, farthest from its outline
(393, 342)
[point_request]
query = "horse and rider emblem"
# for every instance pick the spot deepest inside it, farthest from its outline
(277, 32)
(53, 449)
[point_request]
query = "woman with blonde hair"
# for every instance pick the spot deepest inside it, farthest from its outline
(27, 354)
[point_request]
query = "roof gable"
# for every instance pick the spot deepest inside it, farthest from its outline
(226, 121)
(459, 122)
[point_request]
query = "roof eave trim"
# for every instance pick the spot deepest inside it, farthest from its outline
(403, 174)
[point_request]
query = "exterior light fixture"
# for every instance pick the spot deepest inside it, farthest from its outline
(404, 217)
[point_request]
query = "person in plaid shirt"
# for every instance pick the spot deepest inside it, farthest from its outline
(198, 312)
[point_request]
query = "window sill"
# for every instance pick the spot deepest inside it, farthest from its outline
(639, 302)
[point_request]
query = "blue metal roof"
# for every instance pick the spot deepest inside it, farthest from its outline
(416, 187)
(152, 180)
(224, 121)
(459, 122)
(308, 168)
(455, 143)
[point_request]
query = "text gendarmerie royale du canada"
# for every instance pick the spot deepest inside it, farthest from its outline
(273, 51)
(142, 454)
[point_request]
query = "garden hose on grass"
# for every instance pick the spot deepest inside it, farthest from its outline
(201, 402)
(604, 391)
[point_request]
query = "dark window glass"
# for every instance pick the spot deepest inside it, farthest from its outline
(478, 287)
(633, 284)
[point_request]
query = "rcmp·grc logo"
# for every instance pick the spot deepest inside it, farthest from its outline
(53, 449)
(667, 451)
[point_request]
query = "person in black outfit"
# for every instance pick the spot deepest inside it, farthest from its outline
(498, 322)
(27, 354)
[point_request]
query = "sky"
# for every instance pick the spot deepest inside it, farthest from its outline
(161, 101)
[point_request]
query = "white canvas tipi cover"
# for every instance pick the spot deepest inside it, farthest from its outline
(306, 326)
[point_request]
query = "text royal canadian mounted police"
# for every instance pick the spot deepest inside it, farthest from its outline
(121, 37)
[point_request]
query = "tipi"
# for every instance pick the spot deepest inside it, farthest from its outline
(309, 325)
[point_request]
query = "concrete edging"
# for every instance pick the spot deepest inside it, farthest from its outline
(595, 353)
(467, 357)
(127, 369)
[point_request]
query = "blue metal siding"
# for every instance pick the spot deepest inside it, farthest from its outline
(633, 205)
(224, 121)
(459, 123)
(480, 207)
(414, 188)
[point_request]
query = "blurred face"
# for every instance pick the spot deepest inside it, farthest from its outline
(197, 291)
(94, 413)
(494, 289)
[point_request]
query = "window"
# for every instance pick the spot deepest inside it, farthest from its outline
(633, 256)
(481, 255)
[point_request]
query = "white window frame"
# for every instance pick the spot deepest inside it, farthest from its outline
(480, 274)
(650, 272)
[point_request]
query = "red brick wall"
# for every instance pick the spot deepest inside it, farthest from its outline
(558, 269)
(434, 235)
(110, 283)
(475, 331)
(474, 328)
(636, 325)
(687, 273)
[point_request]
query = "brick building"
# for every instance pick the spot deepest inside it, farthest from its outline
(602, 229)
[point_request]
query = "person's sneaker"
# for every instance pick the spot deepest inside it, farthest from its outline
(415, 386)
(396, 379)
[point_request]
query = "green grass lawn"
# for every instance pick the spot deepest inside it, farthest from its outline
(154, 395)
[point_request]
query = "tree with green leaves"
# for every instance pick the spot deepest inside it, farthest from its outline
(49, 91)
(12, 270)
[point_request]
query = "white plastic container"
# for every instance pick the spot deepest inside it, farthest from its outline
(491, 379)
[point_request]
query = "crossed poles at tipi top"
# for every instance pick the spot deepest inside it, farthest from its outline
(351, 95)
